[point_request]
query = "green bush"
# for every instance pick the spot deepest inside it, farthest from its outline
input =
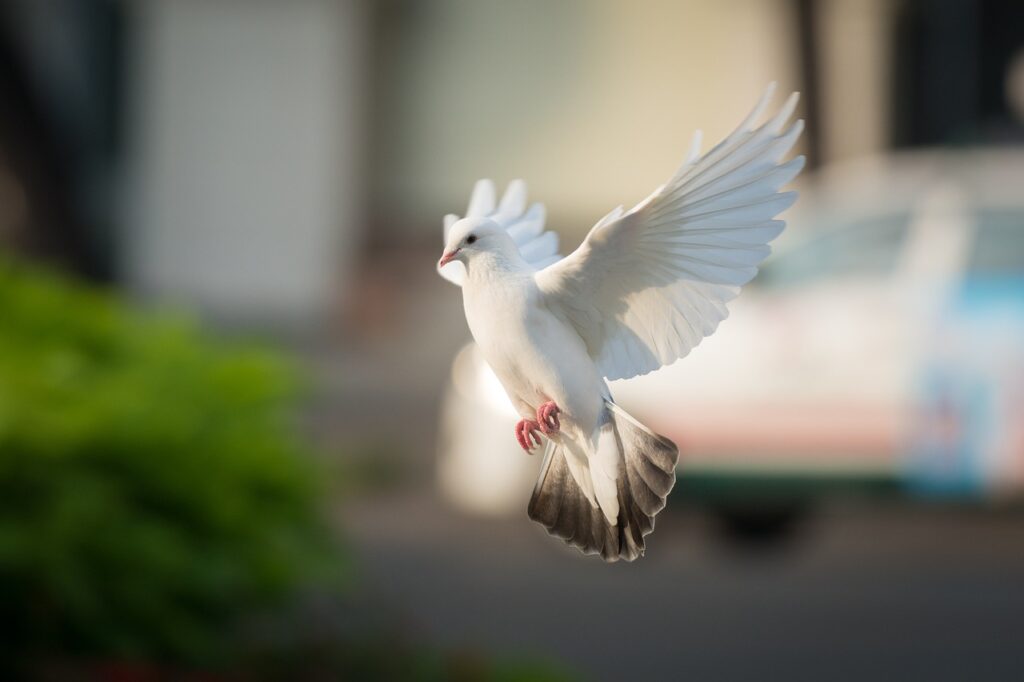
(153, 487)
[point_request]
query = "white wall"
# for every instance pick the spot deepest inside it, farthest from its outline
(592, 101)
(243, 184)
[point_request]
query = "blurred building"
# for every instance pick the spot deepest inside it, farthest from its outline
(206, 153)
(243, 182)
(246, 158)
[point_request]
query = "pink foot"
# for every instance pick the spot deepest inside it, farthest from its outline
(547, 417)
(525, 430)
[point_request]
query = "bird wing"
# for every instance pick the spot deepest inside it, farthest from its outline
(539, 247)
(647, 285)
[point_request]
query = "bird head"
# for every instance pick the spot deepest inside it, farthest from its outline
(471, 237)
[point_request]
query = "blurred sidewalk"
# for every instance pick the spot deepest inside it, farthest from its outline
(883, 593)
(381, 386)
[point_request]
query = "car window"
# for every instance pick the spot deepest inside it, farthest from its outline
(864, 248)
(999, 243)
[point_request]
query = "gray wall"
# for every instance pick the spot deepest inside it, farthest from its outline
(243, 189)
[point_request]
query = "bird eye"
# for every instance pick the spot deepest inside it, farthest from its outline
(470, 239)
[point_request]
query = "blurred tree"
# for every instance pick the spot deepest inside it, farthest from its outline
(159, 509)
(153, 488)
(60, 126)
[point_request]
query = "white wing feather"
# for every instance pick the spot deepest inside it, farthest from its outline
(526, 226)
(647, 285)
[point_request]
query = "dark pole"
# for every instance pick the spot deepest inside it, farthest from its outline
(806, 13)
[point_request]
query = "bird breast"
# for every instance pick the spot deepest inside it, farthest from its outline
(536, 356)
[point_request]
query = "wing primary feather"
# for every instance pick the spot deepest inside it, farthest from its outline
(726, 152)
(514, 200)
(762, 104)
(744, 129)
(528, 226)
(543, 246)
(772, 146)
(779, 120)
(481, 201)
(698, 136)
(773, 204)
(766, 184)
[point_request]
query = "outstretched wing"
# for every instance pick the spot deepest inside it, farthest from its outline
(647, 285)
(539, 247)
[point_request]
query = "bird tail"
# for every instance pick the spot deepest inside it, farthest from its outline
(644, 474)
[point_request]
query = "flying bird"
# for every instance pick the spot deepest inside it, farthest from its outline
(644, 287)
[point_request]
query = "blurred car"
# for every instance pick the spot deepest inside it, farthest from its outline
(880, 349)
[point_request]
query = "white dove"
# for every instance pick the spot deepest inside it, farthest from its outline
(644, 287)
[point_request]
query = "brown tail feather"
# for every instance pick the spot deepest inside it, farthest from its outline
(648, 461)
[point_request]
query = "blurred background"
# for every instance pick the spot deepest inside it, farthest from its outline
(242, 434)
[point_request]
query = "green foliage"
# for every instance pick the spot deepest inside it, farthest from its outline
(153, 487)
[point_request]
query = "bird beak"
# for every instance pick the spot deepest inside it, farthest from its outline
(448, 258)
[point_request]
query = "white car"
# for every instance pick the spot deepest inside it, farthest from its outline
(882, 345)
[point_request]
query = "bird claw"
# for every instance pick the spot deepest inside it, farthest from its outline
(526, 430)
(547, 417)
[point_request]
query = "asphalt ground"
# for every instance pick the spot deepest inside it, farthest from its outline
(860, 592)
(865, 590)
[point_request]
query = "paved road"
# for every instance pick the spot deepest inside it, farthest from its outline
(869, 593)
(865, 594)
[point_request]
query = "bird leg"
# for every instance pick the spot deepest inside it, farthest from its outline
(547, 417)
(525, 430)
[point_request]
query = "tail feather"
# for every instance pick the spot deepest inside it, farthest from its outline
(645, 477)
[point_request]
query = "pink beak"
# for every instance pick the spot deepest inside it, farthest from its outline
(448, 258)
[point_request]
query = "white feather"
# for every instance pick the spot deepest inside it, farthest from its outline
(481, 201)
(644, 288)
